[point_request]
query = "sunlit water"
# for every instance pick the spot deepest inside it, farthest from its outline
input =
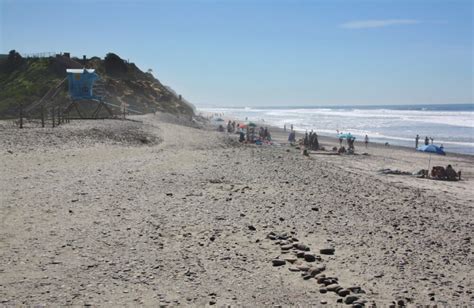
(449, 125)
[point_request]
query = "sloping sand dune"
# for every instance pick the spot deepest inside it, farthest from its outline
(159, 213)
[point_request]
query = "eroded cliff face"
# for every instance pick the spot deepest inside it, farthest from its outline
(26, 80)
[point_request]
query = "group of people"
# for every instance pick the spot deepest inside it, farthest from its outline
(310, 141)
(448, 173)
(264, 134)
(428, 140)
(231, 126)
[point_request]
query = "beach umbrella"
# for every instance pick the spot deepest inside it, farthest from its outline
(251, 124)
(432, 149)
(345, 136)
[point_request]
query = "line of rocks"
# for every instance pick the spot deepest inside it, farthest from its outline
(310, 265)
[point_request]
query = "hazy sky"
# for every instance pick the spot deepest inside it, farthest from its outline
(256, 53)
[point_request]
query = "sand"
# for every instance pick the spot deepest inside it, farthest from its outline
(149, 212)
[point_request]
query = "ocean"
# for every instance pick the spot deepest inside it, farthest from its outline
(450, 125)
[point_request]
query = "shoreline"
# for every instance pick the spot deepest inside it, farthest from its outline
(282, 137)
(457, 147)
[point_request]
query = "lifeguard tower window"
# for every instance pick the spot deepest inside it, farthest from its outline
(81, 82)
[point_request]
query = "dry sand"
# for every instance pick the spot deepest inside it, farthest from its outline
(150, 212)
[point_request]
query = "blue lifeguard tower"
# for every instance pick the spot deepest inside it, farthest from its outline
(81, 82)
(81, 88)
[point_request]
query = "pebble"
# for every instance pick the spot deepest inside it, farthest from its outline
(321, 280)
(286, 247)
(350, 299)
(333, 287)
(309, 257)
(301, 246)
(278, 262)
(355, 289)
(327, 251)
(323, 290)
(303, 267)
(300, 254)
(343, 292)
(290, 259)
(314, 270)
(252, 228)
(294, 269)
(323, 302)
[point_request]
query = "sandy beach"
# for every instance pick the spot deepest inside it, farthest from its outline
(154, 212)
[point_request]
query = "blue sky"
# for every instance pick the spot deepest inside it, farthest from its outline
(267, 53)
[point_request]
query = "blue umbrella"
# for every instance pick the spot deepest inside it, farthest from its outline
(345, 136)
(432, 149)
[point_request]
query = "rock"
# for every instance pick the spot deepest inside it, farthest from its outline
(286, 247)
(290, 259)
(333, 287)
(343, 292)
(300, 254)
(323, 302)
(329, 281)
(307, 276)
(321, 280)
(301, 246)
(359, 302)
(315, 209)
(315, 270)
(355, 289)
(357, 305)
(283, 236)
(327, 251)
(339, 300)
(309, 257)
(294, 269)
(350, 299)
(278, 262)
(323, 290)
(252, 228)
(303, 267)
(272, 237)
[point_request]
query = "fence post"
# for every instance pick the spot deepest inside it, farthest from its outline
(42, 115)
(54, 120)
(21, 115)
(59, 116)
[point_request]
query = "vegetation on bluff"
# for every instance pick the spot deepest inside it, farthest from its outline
(26, 80)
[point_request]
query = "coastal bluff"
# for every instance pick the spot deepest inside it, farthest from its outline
(25, 80)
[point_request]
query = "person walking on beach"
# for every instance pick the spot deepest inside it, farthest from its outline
(417, 139)
(284, 127)
(366, 141)
(432, 140)
(427, 141)
(291, 126)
